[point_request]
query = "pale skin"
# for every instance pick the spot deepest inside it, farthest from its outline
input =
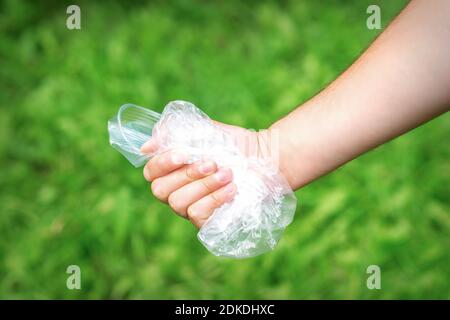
(399, 83)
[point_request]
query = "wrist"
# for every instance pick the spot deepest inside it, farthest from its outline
(270, 146)
(297, 156)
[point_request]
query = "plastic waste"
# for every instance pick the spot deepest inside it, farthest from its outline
(264, 204)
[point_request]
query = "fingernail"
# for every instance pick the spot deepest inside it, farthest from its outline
(178, 158)
(223, 175)
(206, 167)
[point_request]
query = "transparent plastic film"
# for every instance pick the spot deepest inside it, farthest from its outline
(264, 205)
(130, 129)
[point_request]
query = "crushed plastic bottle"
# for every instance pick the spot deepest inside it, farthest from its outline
(264, 204)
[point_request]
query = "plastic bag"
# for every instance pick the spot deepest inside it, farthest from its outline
(264, 204)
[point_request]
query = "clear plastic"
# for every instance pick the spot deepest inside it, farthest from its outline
(264, 205)
(130, 129)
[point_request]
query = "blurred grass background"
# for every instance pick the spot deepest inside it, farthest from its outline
(67, 197)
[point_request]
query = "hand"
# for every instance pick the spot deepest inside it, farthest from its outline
(195, 190)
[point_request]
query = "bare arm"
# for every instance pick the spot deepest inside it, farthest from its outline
(400, 82)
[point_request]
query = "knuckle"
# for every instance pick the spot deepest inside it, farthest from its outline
(146, 173)
(176, 205)
(192, 213)
(158, 190)
(216, 200)
(207, 184)
(189, 173)
(194, 216)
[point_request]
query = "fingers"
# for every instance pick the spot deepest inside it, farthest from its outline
(162, 187)
(201, 210)
(193, 191)
(162, 164)
(182, 198)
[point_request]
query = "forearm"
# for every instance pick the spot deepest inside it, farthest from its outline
(400, 82)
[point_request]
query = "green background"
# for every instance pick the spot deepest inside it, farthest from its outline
(67, 197)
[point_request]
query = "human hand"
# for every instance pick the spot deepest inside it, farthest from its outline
(194, 190)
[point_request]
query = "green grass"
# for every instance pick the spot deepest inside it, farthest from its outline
(67, 197)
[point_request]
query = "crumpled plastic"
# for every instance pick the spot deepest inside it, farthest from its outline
(264, 204)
